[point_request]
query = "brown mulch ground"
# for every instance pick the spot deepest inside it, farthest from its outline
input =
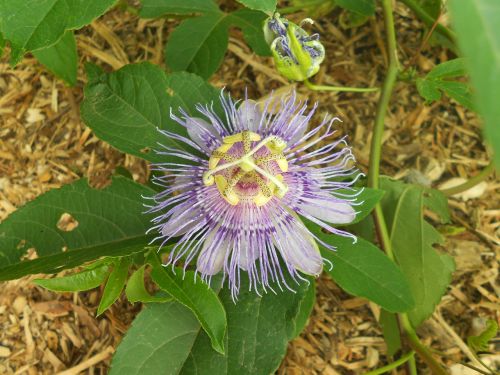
(44, 144)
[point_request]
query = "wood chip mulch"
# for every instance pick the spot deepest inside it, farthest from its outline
(44, 144)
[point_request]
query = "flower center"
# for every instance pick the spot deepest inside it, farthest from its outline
(248, 169)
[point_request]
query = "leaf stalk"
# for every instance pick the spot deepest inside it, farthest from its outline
(392, 365)
(469, 184)
(315, 87)
(373, 181)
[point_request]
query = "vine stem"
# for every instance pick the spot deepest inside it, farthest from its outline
(481, 176)
(392, 365)
(429, 20)
(420, 348)
(373, 180)
(315, 87)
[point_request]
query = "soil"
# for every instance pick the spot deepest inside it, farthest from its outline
(44, 145)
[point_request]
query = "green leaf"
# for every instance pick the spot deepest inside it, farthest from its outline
(428, 90)
(115, 284)
(476, 24)
(459, 91)
(76, 282)
(136, 291)
(364, 229)
(434, 82)
(431, 7)
(257, 336)
(189, 290)
(31, 25)
(449, 69)
(61, 58)
(250, 22)
(437, 202)
(350, 19)
(102, 217)
(159, 8)
(126, 107)
(390, 329)
(368, 199)
(306, 306)
(76, 257)
(480, 343)
(362, 7)
(412, 239)
(2, 44)
(363, 270)
(159, 341)
(266, 6)
(198, 45)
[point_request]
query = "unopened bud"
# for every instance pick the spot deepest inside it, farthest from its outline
(297, 55)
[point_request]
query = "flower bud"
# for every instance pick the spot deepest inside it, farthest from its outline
(297, 55)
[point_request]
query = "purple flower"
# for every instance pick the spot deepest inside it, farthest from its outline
(237, 207)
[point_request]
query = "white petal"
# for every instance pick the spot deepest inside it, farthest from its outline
(181, 223)
(299, 249)
(202, 133)
(247, 254)
(212, 255)
(331, 212)
(250, 115)
(298, 127)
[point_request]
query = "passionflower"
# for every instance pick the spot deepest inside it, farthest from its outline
(297, 55)
(236, 201)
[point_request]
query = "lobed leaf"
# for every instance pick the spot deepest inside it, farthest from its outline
(361, 7)
(367, 199)
(77, 282)
(198, 45)
(250, 22)
(390, 329)
(61, 58)
(431, 7)
(431, 86)
(412, 238)
(480, 343)
(257, 335)
(162, 333)
(363, 270)
(114, 285)
(31, 25)
(449, 69)
(136, 291)
(306, 306)
(158, 8)
(109, 221)
(476, 24)
(127, 107)
(2, 44)
(196, 295)
(266, 6)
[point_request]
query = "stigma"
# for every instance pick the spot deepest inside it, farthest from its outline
(248, 169)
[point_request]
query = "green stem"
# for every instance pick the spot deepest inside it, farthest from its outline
(382, 231)
(428, 19)
(374, 174)
(314, 87)
(481, 176)
(392, 365)
(412, 366)
(420, 348)
(385, 96)
(476, 369)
